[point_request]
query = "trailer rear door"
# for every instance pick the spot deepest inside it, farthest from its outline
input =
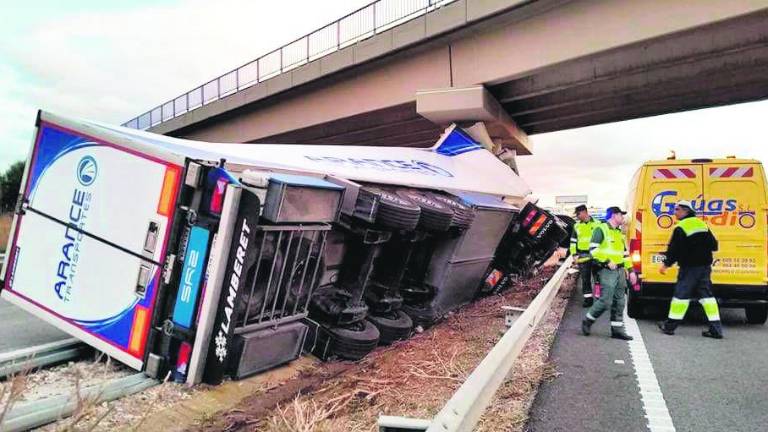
(734, 207)
(89, 244)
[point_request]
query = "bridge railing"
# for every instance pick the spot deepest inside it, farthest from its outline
(350, 29)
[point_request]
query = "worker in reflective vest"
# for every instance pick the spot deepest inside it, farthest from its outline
(691, 246)
(580, 239)
(609, 252)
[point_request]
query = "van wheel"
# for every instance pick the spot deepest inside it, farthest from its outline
(757, 314)
(635, 307)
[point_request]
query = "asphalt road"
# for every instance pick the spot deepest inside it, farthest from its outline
(18, 329)
(708, 385)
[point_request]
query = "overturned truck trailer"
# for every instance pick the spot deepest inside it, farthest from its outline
(211, 260)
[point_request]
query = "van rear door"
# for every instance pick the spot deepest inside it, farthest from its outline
(734, 208)
(665, 185)
(90, 241)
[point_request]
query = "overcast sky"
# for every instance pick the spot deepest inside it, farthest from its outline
(111, 60)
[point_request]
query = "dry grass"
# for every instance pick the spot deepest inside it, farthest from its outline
(11, 393)
(86, 415)
(85, 408)
(5, 230)
(416, 377)
(509, 409)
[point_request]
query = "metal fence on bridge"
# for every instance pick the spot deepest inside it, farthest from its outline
(348, 30)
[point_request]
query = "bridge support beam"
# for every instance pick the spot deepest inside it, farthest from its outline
(475, 108)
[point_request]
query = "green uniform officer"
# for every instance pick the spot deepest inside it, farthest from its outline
(580, 240)
(609, 252)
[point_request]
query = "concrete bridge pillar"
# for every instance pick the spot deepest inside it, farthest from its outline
(480, 114)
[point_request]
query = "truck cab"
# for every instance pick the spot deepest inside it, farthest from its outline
(730, 196)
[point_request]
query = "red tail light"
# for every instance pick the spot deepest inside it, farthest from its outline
(635, 255)
(635, 245)
(529, 217)
(537, 225)
(217, 199)
(182, 362)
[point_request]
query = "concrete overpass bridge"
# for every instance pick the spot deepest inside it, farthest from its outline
(519, 67)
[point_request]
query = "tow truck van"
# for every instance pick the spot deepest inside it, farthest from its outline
(730, 195)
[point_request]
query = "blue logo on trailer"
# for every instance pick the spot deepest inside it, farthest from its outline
(457, 142)
(191, 274)
(87, 169)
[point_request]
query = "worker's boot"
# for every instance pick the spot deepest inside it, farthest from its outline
(586, 326)
(715, 330)
(588, 301)
(666, 327)
(619, 333)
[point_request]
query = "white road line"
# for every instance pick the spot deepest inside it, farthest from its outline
(656, 411)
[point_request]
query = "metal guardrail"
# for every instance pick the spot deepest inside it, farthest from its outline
(348, 30)
(41, 356)
(28, 415)
(466, 406)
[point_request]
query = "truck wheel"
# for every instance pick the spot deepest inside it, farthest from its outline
(421, 315)
(396, 211)
(757, 314)
(435, 215)
(392, 326)
(353, 342)
(463, 214)
(391, 210)
(635, 307)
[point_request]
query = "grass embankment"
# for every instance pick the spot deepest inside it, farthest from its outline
(413, 378)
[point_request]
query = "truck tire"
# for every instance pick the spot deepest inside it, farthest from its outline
(756, 314)
(396, 211)
(435, 215)
(463, 214)
(384, 208)
(393, 326)
(635, 307)
(421, 315)
(353, 342)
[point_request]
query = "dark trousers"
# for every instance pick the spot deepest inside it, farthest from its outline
(693, 283)
(586, 272)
